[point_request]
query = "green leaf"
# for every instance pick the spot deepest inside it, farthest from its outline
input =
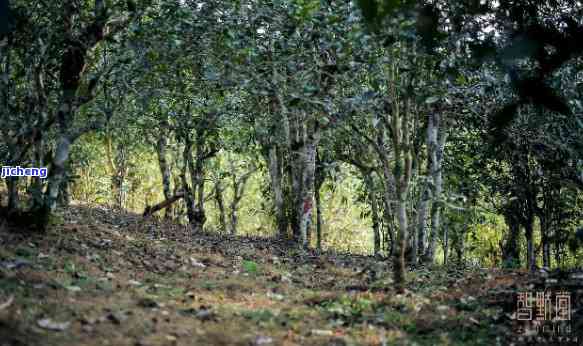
(250, 267)
(432, 99)
(311, 89)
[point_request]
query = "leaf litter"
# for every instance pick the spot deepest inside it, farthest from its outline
(98, 279)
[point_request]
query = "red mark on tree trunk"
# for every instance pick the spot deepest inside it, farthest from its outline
(307, 205)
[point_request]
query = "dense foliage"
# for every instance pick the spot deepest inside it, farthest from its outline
(420, 131)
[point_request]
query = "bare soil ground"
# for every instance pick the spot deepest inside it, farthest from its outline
(107, 278)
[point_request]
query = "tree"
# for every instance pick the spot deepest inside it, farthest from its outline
(71, 50)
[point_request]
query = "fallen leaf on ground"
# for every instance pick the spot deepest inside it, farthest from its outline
(49, 324)
(7, 304)
(16, 264)
(263, 340)
(319, 332)
(118, 317)
(195, 263)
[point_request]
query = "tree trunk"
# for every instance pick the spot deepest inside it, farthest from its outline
(275, 175)
(116, 187)
(549, 215)
(64, 195)
(161, 149)
(388, 223)
(401, 243)
(422, 221)
(445, 245)
(180, 208)
(196, 170)
(38, 183)
(117, 166)
(389, 189)
(401, 140)
(557, 253)
(436, 172)
(58, 171)
(318, 219)
(13, 196)
(460, 246)
(425, 195)
(546, 252)
(220, 202)
(296, 176)
(530, 253)
(402, 177)
(234, 218)
(72, 67)
(122, 166)
(306, 206)
(374, 212)
(510, 253)
(189, 197)
(545, 228)
(163, 205)
(121, 163)
(290, 198)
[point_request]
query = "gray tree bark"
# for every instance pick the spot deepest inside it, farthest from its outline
(510, 250)
(401, 140)
(220, 202)
(422, 221)
(318, 220)
(437, 145)
(308, 173)
(13, 196)
(72, 69)
(374, 212)
(445, 244)
(162, 149)
(275, 174)
(188, 192)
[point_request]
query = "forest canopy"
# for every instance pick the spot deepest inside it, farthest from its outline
(421, 131)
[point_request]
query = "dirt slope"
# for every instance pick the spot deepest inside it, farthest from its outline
(106, 278)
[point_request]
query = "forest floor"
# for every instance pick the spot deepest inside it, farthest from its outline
(106, 278)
